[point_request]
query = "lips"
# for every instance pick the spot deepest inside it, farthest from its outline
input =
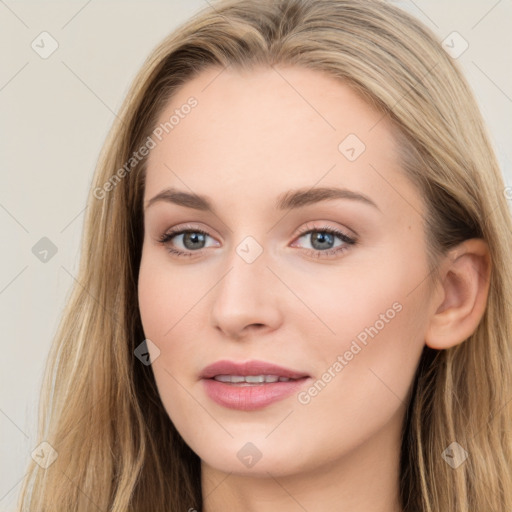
(251, 385)
(249, 368)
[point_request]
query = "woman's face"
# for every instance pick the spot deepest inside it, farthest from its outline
(270, 281)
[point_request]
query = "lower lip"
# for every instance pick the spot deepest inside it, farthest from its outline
(251, 397)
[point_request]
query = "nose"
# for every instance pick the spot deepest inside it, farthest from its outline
(246, 299)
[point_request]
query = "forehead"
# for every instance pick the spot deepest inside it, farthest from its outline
(270, 129)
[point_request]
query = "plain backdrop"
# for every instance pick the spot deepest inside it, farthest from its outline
(55, 113)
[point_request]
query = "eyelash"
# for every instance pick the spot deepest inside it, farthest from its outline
(169, 235)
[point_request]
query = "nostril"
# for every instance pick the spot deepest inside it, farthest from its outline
(258, 327)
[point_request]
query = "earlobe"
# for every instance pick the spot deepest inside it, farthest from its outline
(464, 287)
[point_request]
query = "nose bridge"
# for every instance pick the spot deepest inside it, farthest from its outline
(246, 274)
(244, 296)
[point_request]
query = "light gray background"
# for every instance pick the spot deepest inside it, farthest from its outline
(54, 116)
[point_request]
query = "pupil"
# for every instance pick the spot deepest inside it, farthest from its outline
(194, 238)
(322, 238)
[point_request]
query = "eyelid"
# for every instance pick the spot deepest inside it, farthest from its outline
(301, 231)
(180, 228)
(346, 232)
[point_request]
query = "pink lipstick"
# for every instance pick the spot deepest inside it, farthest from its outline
(250, 385)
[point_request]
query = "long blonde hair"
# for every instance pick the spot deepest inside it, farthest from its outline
(100, 409)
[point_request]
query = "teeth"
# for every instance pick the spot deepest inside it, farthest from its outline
(254, 379)
(250, 379)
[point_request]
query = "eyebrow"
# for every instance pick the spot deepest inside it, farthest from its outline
(292, 199)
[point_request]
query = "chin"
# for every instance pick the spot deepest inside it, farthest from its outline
(256, 458)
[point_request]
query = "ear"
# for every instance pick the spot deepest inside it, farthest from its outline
(461, 295)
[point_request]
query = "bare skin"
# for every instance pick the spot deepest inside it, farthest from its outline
(252, 137)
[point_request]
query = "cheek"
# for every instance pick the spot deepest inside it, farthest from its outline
(356, 302)
(376, 315)
(363, 375)
(162, 303)
(368, 366)
(164, 295)
(171, 312)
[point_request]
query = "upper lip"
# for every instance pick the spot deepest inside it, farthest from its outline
(245, 368)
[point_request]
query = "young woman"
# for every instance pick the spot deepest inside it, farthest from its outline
(295, 289)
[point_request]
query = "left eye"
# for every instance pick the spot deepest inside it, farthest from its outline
(322, 239)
